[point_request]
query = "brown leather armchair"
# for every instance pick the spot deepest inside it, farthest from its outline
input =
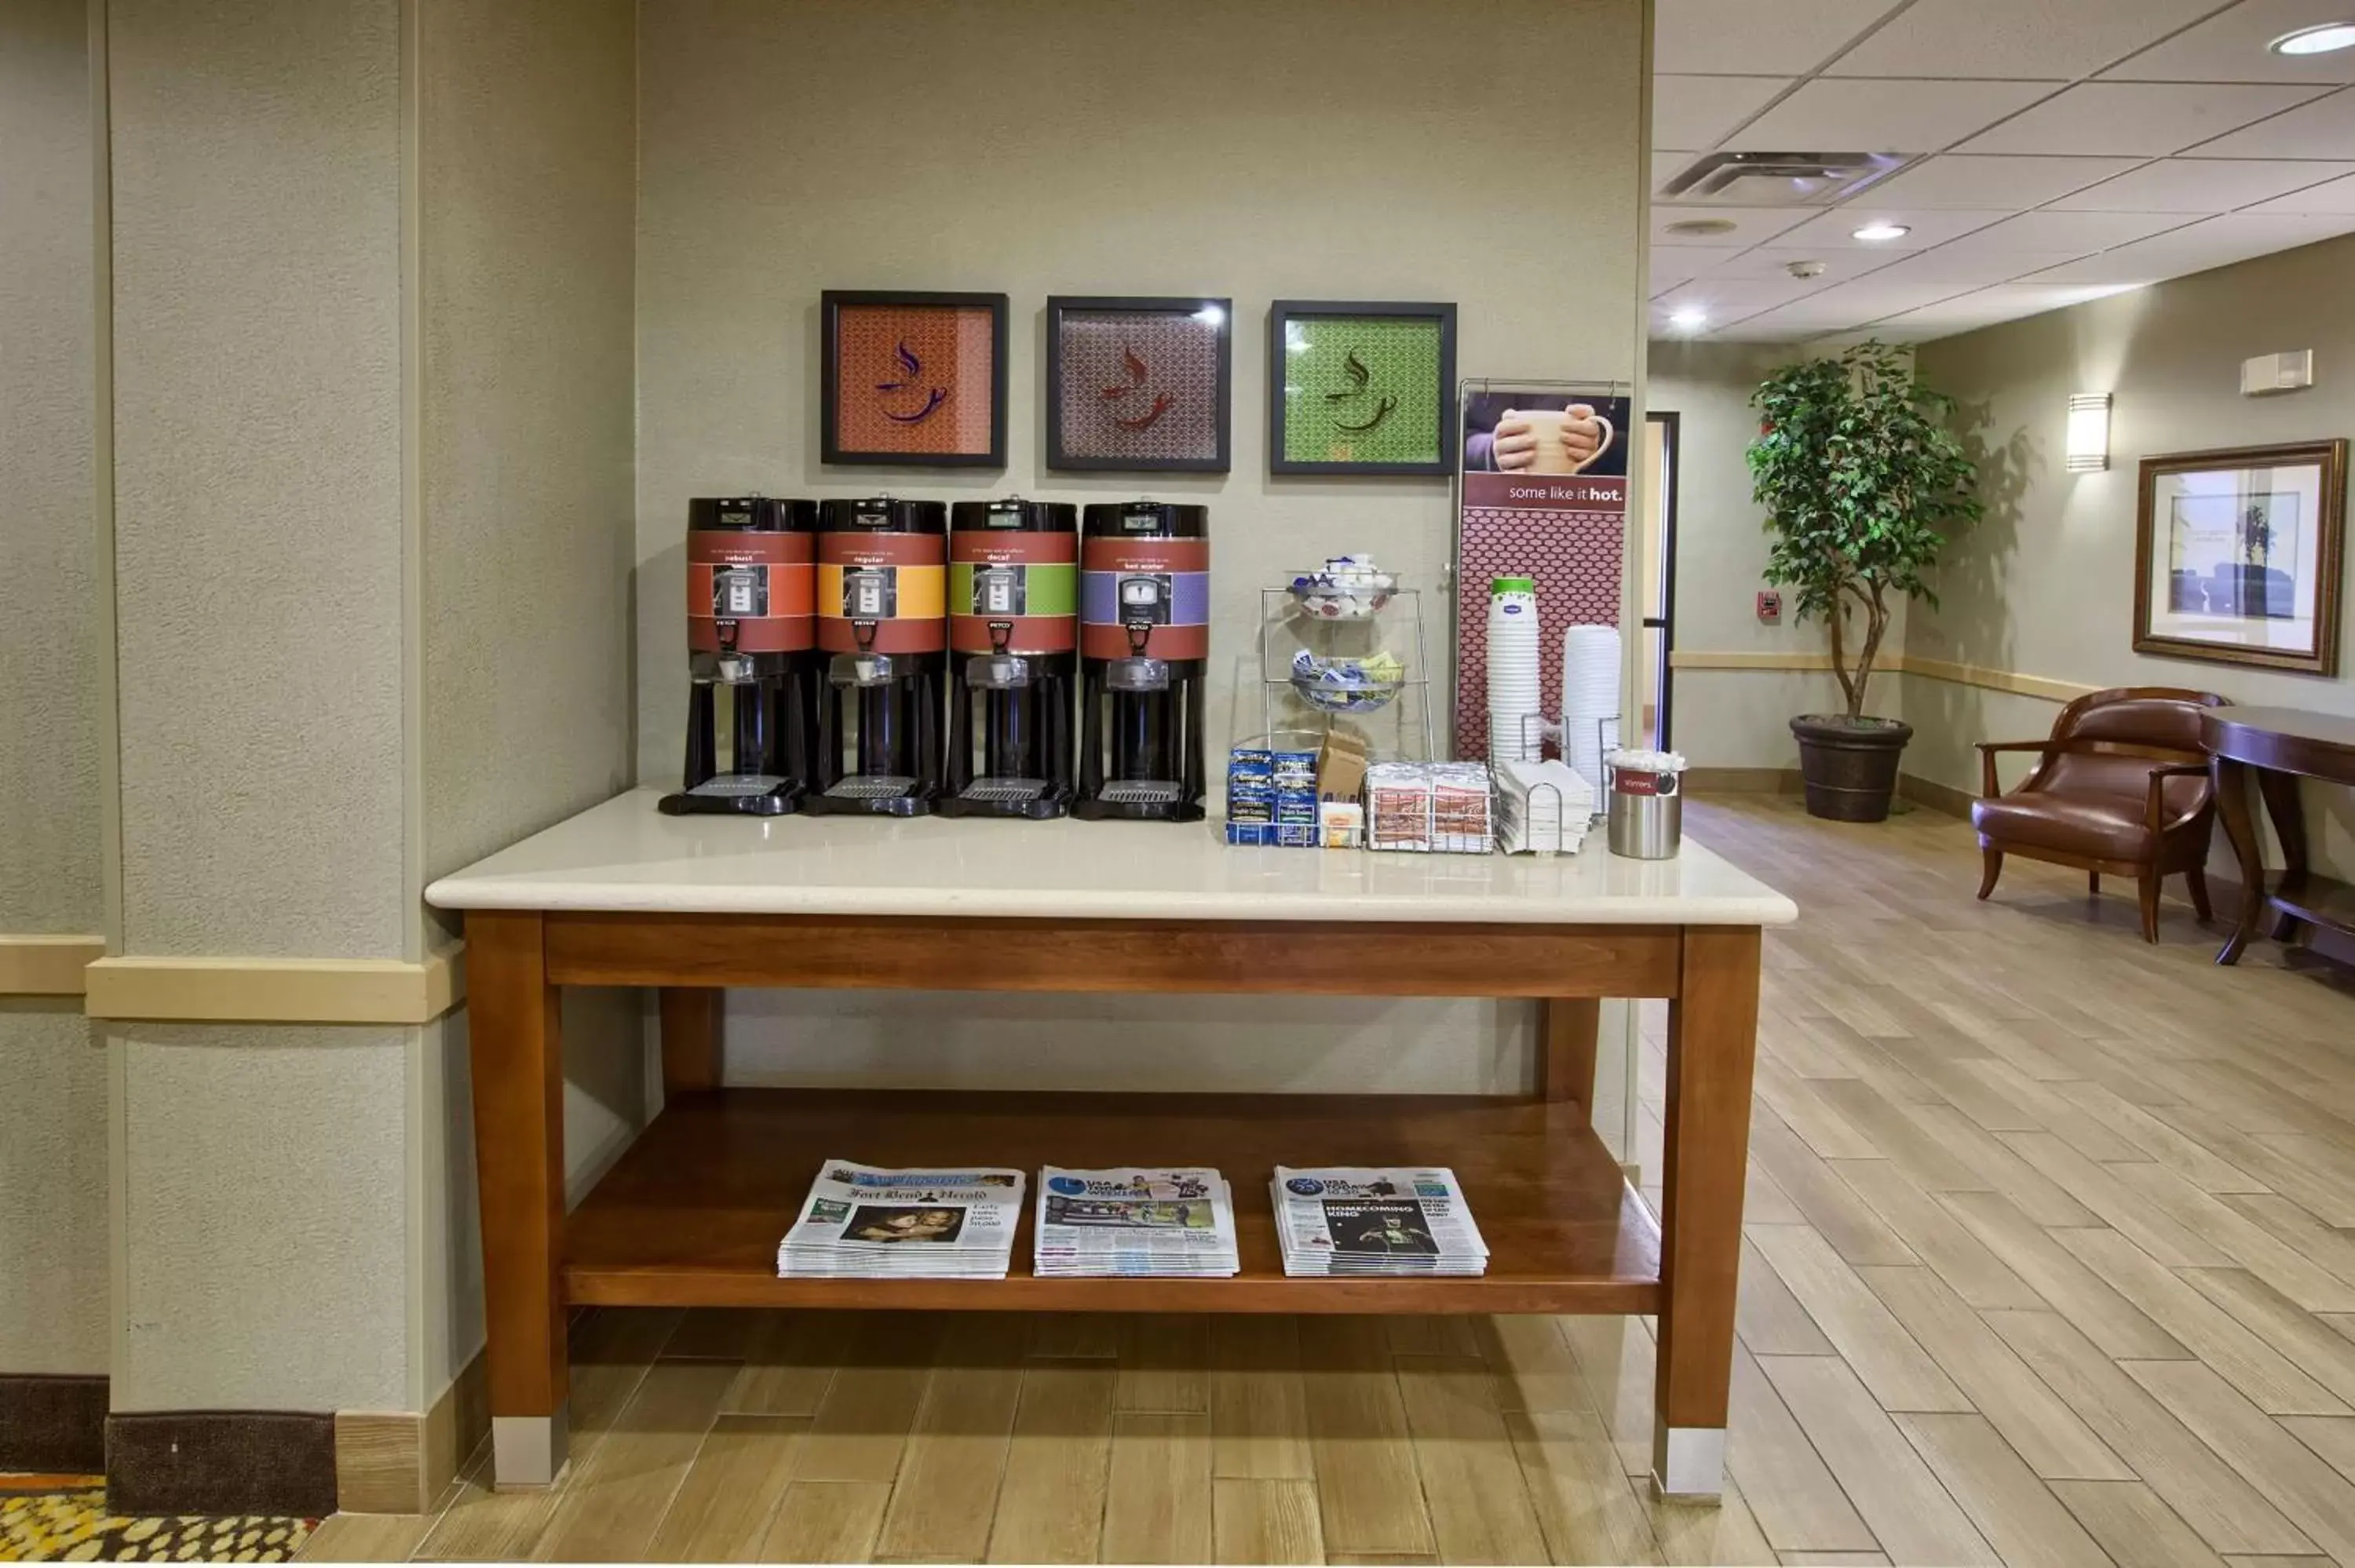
(2123, 786)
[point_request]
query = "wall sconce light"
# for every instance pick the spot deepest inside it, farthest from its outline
(2089, 432)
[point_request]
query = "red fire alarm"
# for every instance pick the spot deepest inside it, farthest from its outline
(1770, 606)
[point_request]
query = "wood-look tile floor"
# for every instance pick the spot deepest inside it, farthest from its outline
(2051, 1261)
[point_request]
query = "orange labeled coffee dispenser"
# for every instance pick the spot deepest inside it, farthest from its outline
(751, 714)
(882, 627)
(1145, 650)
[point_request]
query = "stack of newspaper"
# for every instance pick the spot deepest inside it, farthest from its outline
(862, 1222)
(1359, 1220)
(1136, 1221)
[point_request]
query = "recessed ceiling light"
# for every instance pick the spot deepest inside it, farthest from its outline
(1695, 227)
(2325, 39)
(1689, 319)
(1873, 233)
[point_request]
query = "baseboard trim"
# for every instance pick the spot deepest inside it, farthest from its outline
(399, 1463)
(221, 1462)
(275, 991)
(45, 965)
(1742, 781)
(1937, 796)
(1948, 670)
(53, 1422)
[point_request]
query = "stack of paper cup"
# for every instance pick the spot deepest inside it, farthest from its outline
(1590, 699)
(1516, 708)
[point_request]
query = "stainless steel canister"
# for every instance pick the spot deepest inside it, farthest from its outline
(1645, 803)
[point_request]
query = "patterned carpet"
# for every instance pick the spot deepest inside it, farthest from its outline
(72, 1525)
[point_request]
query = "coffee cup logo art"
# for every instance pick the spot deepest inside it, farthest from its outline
(1357, 409)
(910, 369)
(1143, 418)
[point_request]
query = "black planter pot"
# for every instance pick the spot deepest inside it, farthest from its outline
(1850, 765)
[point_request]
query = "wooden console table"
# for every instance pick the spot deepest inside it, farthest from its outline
(691, 1216)
(2281, 745)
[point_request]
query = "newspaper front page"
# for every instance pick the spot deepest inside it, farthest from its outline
(1134, 1220)
(865, 1220)
(1366, 1220)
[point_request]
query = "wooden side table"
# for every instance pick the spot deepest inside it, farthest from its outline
(2280, 745)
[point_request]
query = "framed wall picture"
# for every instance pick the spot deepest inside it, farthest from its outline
(1141, 385)
(1359, 386)
(2238, 553)
(913, 378)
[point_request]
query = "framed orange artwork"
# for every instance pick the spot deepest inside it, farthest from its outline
(913, 378)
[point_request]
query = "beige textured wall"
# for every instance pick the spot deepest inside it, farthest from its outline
(528, 225)
(257, 285)
(2046, 585)
(1323, 149)
(1737, 718)
(53, 1117)
(257, 224)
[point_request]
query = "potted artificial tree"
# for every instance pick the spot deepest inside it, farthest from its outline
(1862, 481)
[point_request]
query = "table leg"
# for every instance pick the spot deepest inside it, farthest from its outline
(690, 1038)
(1567, 1030)
(2231, 779)
(518, 1076)
(1712, 1039)
(2282, 804)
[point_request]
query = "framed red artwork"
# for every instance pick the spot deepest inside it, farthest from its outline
(913, 378)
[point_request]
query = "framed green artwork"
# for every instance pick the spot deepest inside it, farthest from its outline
(1359, 386)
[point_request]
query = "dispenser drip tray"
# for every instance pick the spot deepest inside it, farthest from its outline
(731, 785)
(1004, 791)
(871, 787)
(1141, 792)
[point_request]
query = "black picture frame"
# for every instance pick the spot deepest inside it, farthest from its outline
(1283, 312)
(1060, 307)
(830, 442)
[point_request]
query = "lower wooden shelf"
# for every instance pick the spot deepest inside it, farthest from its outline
(692, 1214)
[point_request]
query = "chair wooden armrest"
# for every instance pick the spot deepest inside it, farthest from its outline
(2155, 805)
(1987, 748)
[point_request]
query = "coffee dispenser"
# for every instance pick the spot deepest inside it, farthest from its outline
(879, 569)
(751, 713)
(1145, 648)
(1013, 657)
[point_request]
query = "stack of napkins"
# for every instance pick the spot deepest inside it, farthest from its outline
(1136, 1221)
(864, 1222)
(1542, 807)
(1363, 1220)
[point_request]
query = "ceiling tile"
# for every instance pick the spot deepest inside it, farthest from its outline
(1974, 270)
(1674, 264)
(1774, 261)
(2336, 196)
(1727, 297)
(2231, 47)
(1791, 38)
(1961, 180)
(2131, 118)
(1835, 231)
(1866, 116)
(2034, 39)
(2211, 242)
(1697, 110)
(2320, 130)
(2201, 184)
(1751, 225)
(2073, 232)
(2003, 302)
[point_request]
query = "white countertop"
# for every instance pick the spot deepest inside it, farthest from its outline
(626, 855)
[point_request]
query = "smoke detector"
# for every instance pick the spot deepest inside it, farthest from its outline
(1803, 269)
(1780, 179)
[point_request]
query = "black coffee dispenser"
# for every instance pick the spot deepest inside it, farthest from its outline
(1013, 658)
(879, 569)
(1145, 650)
(751, 714)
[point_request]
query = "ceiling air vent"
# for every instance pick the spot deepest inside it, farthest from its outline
(1780, 179)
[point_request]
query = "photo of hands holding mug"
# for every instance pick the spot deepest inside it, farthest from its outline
(1528, 432)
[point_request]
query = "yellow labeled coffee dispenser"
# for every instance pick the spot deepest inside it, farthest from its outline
(880, 569)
